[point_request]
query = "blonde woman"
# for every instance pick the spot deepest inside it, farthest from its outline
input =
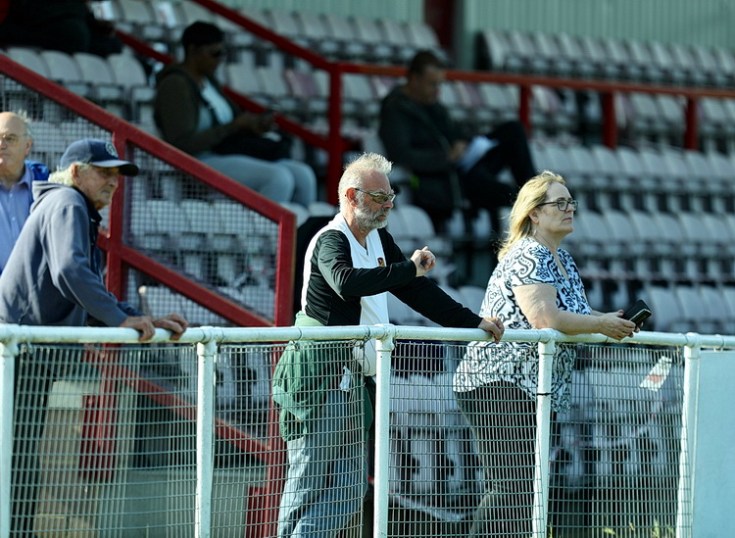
(535, 285)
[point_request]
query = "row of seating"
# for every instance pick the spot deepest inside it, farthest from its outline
(590, 57)
(646, 178)
(707, 309)
(120, 84)
(329, 34)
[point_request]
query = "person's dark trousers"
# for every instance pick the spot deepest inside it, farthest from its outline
(512, 151)
(480, 183)
(503, 420)
(32, 384)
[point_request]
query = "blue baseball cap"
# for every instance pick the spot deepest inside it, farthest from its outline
(97, 152)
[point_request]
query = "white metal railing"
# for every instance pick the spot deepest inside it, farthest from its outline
(209, 340)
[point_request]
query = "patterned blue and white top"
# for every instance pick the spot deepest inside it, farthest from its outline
(527, 262)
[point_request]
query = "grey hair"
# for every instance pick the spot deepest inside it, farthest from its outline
(64, 177)
(358, 167)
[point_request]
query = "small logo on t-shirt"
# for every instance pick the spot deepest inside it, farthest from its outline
(381, 262)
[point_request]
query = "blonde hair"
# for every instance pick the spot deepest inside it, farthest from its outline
(359, 167)
(529, 197)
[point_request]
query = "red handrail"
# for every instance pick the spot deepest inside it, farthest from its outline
(119, 254)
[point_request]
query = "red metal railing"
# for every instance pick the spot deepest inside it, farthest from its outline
(120, 255)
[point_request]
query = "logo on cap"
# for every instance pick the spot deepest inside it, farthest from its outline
(109, 148)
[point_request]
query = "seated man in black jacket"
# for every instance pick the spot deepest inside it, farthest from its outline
(419, 135)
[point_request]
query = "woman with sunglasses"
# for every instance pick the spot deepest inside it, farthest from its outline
(535, 285)
(192, 113)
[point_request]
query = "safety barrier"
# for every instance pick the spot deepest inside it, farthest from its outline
(122, 438)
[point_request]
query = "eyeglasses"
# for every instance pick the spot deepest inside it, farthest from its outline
(562, 204)
(379, 197)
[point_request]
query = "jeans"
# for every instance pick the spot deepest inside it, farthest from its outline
(284, 180)
(326, 480)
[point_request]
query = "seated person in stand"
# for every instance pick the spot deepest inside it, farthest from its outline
(193, 114)
(65, 25)
(449, 171)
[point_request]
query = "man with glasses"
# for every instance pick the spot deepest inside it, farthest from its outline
(16, 175)
(450, 168)
(54, 277)
(324, 392)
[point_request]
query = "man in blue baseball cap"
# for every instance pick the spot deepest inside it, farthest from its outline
(54, 277)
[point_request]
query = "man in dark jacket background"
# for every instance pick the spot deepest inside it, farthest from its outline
(419, 135)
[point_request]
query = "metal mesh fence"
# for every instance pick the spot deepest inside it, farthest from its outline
(202, 233)
(105, 439)
(106, 443)
(464, 464)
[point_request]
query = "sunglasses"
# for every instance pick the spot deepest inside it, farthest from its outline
(379, 197)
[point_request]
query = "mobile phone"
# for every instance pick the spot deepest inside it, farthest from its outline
(638, 313)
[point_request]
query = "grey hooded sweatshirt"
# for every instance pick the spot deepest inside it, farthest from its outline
(54, 273)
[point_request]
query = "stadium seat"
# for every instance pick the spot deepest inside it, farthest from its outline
(129, 73)
(310, 91)
(522, 56)
(570, 49)
(396, 34)
(343, 32)
(140, 18)
(28, 58)
(422, 36)
(274, 82)
(369, 32)
(659, 253)
(653, 66)
(501, 99)
(723, 173)
(595, 55)
(105, 90)
(358, 98)
(728, 295)
(317, 33)
(707, 66)
(618, 57)
(244, 77)
(704, 187)
(716, 126)
(667, 311)
(63, 68)
(699, 315)
(634, 184)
